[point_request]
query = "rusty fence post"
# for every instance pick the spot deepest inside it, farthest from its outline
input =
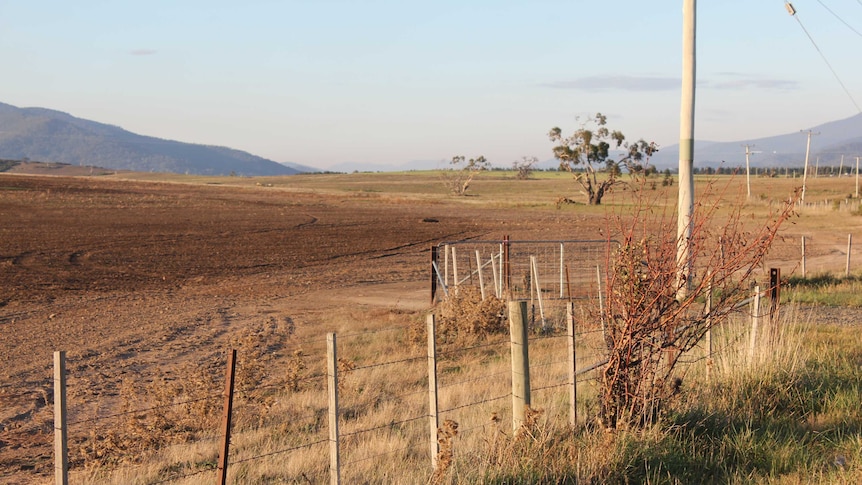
(228, 408)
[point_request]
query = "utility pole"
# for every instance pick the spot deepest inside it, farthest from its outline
(686, 150)
(841, 167)
(748, 168)
(805, 170)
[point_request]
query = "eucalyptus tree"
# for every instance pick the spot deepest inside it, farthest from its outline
(597, 156)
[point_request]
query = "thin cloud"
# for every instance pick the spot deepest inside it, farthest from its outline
(728, 81)
(740, 84)
(143, 52)
(619, 83)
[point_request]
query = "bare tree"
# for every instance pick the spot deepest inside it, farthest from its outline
(462, 172)
(524, 167)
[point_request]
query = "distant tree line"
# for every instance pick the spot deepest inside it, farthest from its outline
(7, 164)
(813, 170)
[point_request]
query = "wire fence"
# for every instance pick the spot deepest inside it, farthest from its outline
(281, 423)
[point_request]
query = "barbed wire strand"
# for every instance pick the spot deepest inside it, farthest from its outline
(384, 454)
(548, 364)
(485, 401)
(144, 410)
(370, 332)
(465, 349)
(473, 379)
(127, 466)
(180, 477)
(554, 386)
(546, 337)
(382, 426)
(286, 450)
(381, 364)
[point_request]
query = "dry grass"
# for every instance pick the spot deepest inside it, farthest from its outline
(281, 421)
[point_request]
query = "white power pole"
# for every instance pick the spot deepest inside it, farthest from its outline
(686, 149)
(748, 168)
(805, 170)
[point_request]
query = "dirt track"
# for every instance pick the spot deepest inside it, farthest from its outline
(127, 276)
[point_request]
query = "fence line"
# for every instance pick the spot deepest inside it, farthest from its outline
(142, 410)
(180, 477)
(338, 439)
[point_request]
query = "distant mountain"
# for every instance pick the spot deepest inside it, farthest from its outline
(349, 167)
(53, 136)
(836, 138)
(300, 168)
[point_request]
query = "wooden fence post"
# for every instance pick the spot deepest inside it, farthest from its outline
(534, 267)
(774, 295)
(332, 384)
(446, 265)
(849, 247)
(434, 275)
(803, 256)
(61, 451)
(500, 259)
(498, 292)
(507, 268)
(562, 272)
(520, 362)
(573, 363)
(455, 278)
(755, 322)
(433, 418)
(226, 417)
(481, 277)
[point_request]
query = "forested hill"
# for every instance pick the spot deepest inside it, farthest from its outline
(54, 136)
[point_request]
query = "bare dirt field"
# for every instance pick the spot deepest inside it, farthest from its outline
(127, 276)
(131, 277)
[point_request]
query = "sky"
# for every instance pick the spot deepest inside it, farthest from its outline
(388, 82)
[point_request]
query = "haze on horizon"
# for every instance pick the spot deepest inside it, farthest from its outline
(324, 82)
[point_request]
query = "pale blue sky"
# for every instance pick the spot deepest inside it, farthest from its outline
(323, 82)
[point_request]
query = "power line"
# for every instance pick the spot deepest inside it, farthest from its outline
(839, 18)
(792, 12)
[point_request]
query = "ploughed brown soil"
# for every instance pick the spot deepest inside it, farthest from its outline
(127, 276)
(132, 278)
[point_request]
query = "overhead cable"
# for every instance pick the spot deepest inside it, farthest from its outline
(792, 12)
(839, 18)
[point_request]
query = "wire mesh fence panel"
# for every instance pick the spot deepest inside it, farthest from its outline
(565, 268)
(547, 274)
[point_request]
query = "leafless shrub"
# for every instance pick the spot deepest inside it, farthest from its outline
(650, 322)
